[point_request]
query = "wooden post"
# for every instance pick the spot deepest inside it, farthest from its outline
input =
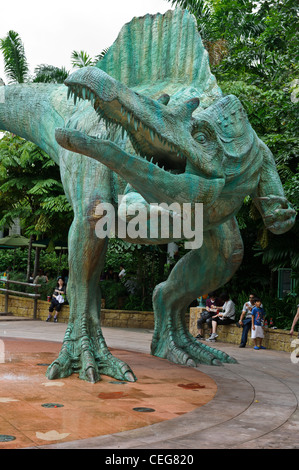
(34, 296)
(6, 295)
(35, 302)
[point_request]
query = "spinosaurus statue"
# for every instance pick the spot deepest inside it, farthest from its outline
(152, 97)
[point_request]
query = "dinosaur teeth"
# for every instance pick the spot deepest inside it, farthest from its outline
(152, 134)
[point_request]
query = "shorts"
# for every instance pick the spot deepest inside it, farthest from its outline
(258, 332)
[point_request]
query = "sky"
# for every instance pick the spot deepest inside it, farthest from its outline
(52, 30)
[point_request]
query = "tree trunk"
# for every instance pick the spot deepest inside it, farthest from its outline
(36, 262)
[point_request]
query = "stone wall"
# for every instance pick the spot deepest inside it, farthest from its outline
(280, 340)
(23, 307)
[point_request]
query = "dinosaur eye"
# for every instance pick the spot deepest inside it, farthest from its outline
(200, 137)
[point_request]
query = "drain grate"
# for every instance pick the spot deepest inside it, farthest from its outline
(6, 438)
(52, 405)
(144, 410)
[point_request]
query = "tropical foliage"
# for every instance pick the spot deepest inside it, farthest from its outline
(15, 63)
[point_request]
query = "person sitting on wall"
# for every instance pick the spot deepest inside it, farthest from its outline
(206, 316)
(226, 317)
(58, 299)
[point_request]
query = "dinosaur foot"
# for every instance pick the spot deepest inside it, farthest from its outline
(190, 352)
(89, 364)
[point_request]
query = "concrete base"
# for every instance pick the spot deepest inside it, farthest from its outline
(255, 406)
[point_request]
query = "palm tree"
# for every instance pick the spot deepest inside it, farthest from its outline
(50, 74)
(81, 59)
(15, 63)
(17, 70)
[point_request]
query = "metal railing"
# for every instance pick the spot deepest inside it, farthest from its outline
(35, 296)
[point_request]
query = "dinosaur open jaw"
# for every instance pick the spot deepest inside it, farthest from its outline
(146, 141)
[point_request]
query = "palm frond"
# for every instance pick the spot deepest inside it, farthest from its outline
(102, 54)
(50, 74)
(15, 63)
(81, 59)
(43, 186)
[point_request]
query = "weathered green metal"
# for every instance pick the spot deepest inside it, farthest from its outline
(156, 98)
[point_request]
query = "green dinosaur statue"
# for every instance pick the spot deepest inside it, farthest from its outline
(155, 97)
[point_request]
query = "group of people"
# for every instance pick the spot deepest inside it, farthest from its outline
(253, 316)
(221, 311)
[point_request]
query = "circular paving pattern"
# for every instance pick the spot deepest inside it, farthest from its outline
(35, 411)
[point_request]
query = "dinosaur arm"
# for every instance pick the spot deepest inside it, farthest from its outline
(277, 212)
(152, 182)
(29, 112)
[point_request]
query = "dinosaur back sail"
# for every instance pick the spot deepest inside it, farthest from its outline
(159, 54)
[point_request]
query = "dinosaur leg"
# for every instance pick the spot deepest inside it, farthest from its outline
(84, 350)
(200, 271)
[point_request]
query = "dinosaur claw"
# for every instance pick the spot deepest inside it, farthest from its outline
(53, 371)
(232, 360)
(216, 362)
(91, 375)
(129, 377)
(190, 363)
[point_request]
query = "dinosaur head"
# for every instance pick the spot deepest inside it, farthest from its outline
(164, 133)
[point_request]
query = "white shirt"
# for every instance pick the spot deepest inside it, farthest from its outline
(229, 309)
(122, 273)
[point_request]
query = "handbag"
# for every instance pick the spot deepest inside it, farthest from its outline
(60, 299)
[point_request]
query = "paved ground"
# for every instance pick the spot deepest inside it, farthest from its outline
(255, 407)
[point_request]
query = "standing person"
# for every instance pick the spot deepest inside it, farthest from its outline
(226, 317)
(57, 301)
(296, 318)
(257, 326)
(206, 316)
(245, 319)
